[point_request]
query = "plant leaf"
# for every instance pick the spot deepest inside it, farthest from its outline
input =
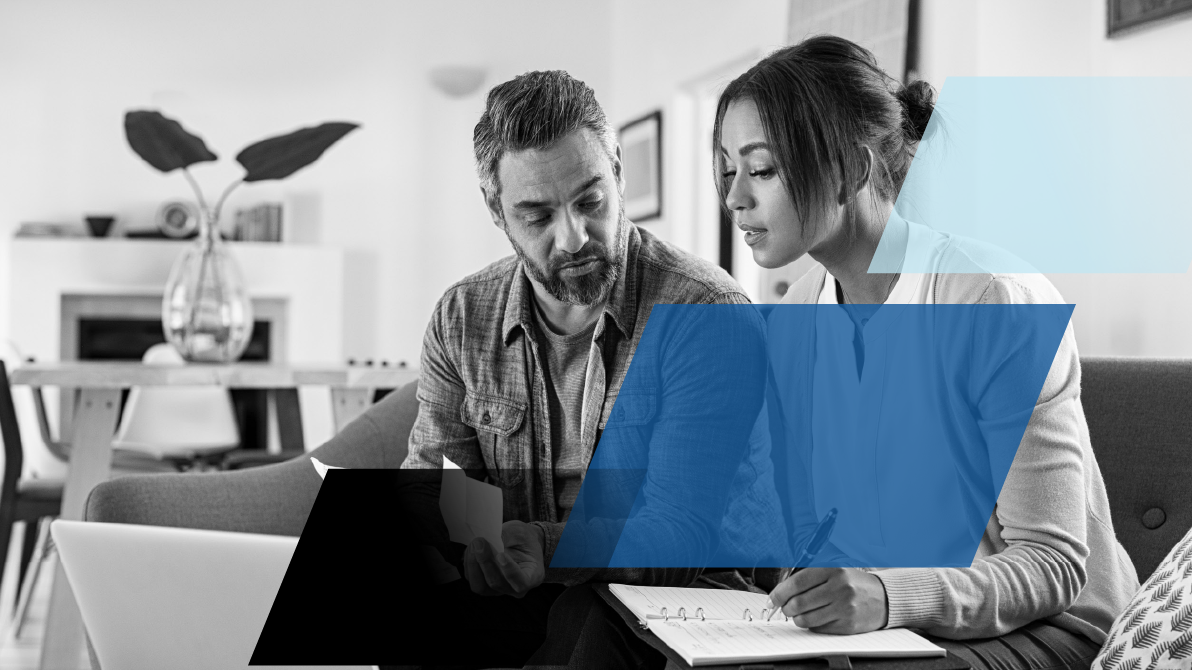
(1115, 654)
(1136, 618)
(1172, 602)
(1181, 647)
(163, 142)
(1182, 620)
(1147, 635)
(1160, 576)
(1160, 649)
(279, 157)
(1161, 592)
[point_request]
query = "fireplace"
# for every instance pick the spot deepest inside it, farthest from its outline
(84, 298)
(122, 328)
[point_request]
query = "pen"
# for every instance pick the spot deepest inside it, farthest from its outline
(818, 539)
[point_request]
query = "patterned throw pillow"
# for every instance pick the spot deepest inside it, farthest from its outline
(1155, 631)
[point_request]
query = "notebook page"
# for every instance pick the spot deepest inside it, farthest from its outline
(720, 642)
(722, 604)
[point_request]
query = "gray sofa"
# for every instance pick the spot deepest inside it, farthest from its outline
(1139, 413)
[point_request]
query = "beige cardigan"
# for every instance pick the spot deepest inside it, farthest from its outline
(1049, 550)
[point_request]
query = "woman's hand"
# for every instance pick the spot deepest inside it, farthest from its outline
(841, 601)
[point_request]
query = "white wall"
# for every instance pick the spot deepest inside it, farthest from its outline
(660, 45)
(399, 195)
(1118, 314)
(1058, 37)
(674, 55)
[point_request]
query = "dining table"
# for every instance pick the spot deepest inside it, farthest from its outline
(100, 385)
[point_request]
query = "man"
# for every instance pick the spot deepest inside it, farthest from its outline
(522, 363)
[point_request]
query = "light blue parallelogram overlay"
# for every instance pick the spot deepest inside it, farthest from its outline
(1067, 174)
(695, 470)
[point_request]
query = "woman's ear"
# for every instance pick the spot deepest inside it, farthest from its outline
(849, 188)
(866, 158)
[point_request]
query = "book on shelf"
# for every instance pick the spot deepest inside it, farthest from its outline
(262, 223)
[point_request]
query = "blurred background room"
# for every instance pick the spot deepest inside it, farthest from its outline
(371, 235)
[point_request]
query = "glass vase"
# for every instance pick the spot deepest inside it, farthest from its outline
(206, 312)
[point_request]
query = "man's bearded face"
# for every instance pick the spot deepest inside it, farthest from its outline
(563, 211)
(568, 278)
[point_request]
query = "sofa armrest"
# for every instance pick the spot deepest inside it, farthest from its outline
(274, 499)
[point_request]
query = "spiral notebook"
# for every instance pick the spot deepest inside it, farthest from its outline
(715, 626)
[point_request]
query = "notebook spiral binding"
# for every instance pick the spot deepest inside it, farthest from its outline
(747, 615)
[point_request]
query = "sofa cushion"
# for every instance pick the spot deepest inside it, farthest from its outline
(1155, 631)
(1139, 413)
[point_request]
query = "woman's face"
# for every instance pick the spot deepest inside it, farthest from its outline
(756, 196)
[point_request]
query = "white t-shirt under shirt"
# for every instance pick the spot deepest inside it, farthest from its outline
(912, 288)
(565, 359)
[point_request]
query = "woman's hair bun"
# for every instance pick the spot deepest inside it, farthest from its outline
(918, 100)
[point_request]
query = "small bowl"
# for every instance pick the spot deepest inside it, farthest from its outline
(99, 225)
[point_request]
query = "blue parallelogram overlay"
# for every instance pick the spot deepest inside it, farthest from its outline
(733, 434)
(735, 429)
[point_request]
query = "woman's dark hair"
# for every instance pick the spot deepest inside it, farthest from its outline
(820, 101)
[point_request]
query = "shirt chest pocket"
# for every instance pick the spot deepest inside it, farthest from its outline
(627, 430)
(498, 424)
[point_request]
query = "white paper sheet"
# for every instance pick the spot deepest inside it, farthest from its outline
(322, 469)
(724, 636)
(470, 508)
(732, 642)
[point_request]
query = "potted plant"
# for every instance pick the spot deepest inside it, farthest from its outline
(205, 312)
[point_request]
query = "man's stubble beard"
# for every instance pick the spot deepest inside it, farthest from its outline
(585, 290)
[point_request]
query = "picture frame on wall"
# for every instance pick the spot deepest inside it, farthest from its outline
(1127, 14)
(641, 159)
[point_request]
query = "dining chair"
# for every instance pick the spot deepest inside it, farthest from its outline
(190, 428)
(156, 435)
(24, 499)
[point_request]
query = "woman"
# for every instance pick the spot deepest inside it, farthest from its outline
(812, 146)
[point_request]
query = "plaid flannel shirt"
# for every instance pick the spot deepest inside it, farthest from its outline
(483, 398)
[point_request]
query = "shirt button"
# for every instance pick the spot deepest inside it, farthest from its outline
(487, 418)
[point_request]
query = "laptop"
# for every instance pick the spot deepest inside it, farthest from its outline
(154, 597)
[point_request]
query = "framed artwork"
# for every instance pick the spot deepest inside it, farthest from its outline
(1126, 14)
(641, 158)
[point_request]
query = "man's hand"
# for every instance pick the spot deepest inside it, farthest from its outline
(512, 573)
(842, 601)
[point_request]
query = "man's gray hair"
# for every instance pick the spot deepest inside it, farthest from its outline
(533, 111)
